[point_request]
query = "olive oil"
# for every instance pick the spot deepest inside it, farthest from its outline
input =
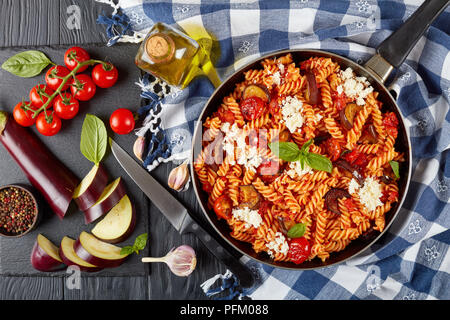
(173, 56)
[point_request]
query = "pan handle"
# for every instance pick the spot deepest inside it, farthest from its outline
(393, 50)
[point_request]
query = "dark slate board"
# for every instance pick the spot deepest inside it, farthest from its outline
(15, 253)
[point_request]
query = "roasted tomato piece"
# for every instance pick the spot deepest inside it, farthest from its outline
(340, 100)
(252, 108)
(333, 148)
(390, 122)
(299, 250)
(356, 158)
(249, 197)
(226, 116)
(268, 170)
(223, 207)
(274, 107)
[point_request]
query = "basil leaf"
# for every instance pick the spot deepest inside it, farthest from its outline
(297, 231)
(287, 151)
(127, 250)
(395, 168)
(140, 242)
(319, 162)
(305, 147)
(26, 64)
(93, 139)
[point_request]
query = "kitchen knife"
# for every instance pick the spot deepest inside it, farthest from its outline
(178, 215)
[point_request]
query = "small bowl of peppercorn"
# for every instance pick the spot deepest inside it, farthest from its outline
(19, 210)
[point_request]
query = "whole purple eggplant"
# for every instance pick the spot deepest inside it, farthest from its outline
(44, 171)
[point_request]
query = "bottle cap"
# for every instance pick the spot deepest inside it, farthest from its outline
(160, 47)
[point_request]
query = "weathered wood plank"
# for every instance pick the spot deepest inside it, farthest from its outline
(107, 288)
(78, 22)
(29, 22)
(31, 288)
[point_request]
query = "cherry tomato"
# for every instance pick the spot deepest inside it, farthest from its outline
(73, 55)
(389, 196)
(274, 107)
(390, 122)
(340, 100)
(52, 77)
(252, 108)
(356, 158)
(105, 76)
(66, 106)
(268, 171)
(83, 88)
(47, 128)
(223, 207)
(24, 117)
(122, 121)
(38, 95)
(226, 116)
(333, 148)
(264, 207)
(299, 250)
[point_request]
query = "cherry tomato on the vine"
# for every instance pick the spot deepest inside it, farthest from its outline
(66, 106)
(105, 75)
(22, 116)
(82, 87)
(75, 55)
(53, 77)
(38, 95)
(299, 250)
(122, 121)
(48, 126)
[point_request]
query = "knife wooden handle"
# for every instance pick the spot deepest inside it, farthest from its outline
(241, 271)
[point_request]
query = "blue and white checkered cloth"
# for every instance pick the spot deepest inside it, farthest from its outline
(412, 259)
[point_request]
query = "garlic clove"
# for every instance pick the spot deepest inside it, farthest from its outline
(139, 147)
(182, 261)
(179, 177)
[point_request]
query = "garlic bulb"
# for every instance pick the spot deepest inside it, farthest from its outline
(179, 177)
(181, 261)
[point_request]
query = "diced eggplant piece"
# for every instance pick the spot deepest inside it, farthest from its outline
(331, 199)
(256, 90)
(285, 224)
(312, 94)
(369, 135)
(350, 171)
(347, 115)
(249, 197)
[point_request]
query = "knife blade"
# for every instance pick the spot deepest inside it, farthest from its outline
(178, 215)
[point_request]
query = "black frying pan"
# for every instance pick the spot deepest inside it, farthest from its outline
(390, 54)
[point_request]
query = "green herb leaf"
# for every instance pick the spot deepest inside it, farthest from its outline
(287, 151)
(319, 162)
(127, 250)
(93, 139)
(306, 145)
(26, 64)
(139, 244)
(141, 241)
(395, 168)
(297, 231)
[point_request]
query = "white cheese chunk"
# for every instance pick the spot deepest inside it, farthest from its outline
(291, 111)
(251, 217)
(295, 169)
(277, 245)
(357, 88)
(369, 194)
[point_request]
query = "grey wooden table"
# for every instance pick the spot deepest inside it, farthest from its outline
(51, 22)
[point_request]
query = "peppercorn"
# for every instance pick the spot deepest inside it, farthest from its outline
(17, 210)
